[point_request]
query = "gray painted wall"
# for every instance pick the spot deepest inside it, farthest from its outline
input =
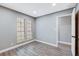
(64, 28)
(8, 27)
(46, 26)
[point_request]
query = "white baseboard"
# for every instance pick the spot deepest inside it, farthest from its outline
(10, 48)
(47, 43)
(67, 43)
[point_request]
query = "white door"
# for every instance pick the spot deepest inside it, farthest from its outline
(73, 33)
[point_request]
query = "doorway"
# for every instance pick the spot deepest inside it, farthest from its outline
(64, 32)
(64, 29)
(73, 31)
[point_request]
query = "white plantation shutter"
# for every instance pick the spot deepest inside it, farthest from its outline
(20, 30)
(28, 30)
(24, 30)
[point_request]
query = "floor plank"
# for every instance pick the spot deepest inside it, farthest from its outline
(39, 49)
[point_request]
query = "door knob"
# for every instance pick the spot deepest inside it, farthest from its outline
(73, 36)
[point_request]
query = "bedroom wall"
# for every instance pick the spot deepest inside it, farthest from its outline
(8, 26)
(46, 26)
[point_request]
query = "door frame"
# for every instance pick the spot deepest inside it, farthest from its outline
(57, 40)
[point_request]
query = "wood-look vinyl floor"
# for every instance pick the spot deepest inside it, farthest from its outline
(40, 49)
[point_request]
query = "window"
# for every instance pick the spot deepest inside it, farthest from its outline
(20, 30)
(28, 29)
(24, 30)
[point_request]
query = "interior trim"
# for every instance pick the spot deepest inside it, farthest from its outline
(67, 43)
(57, 18)
(55, 12)
(55, 45)
(16, 11)
(16, 46)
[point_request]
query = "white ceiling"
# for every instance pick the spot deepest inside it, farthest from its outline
(38, 9)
